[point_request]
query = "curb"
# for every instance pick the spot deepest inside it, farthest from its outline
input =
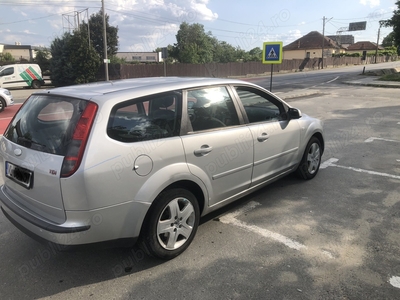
(297, 94)
(374, 84)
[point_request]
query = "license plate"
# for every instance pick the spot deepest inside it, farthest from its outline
(20, 175)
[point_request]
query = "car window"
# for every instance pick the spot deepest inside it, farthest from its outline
(148, 118)
(210, 108)
(259, 106)
(46, 123)
(7, 71)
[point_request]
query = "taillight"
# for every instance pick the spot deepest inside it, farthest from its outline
(76, 148)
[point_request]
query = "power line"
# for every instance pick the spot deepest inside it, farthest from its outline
(32, 19)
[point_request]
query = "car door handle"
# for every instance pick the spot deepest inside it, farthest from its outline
(204, 150)
(263, 137)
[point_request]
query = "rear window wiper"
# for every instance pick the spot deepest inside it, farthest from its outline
(28, 142)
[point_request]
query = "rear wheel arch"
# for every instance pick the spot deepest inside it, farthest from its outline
(36, 84)
(188, 185)
(192, 187)
(149, 238)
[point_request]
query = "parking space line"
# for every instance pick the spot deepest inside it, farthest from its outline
(395, 281)
(368, 171)
(231, 219)
(371, 139)
(332, 163)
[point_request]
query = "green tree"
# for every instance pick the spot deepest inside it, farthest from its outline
(224, 52)
(42, 58)
(193, 44)
(73, 60)
(388, 40)
(96, 34)
(7, 57)
(395, 23)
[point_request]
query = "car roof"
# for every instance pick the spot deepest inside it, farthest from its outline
(136, 87)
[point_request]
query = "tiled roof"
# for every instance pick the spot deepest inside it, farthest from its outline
(364, 45)
(312, 40)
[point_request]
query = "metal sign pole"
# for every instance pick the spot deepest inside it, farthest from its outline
(270, 84)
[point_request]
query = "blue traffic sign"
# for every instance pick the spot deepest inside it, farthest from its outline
(272, 53)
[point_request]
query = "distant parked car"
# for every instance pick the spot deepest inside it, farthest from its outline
(143, 159)
(6, 99)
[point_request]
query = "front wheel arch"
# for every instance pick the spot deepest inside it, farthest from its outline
(311, 159)
(3, 104)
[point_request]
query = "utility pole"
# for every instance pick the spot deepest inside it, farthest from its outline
(105, 41)
(377, 42)
(324, 21)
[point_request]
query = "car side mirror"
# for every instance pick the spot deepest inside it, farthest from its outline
(294, 113)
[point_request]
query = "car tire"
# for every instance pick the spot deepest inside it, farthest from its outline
(36, 84)
(171, 224)
(311, 160)
(2, 104)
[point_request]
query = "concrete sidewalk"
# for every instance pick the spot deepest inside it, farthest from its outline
(372, 81)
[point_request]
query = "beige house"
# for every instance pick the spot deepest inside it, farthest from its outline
(310, 46)
(140, 56)
(362, 46)
(19, 52)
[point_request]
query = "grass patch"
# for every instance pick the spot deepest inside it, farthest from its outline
(391, 77)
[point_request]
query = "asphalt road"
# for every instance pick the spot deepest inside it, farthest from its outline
(286, 82)
(334, 237)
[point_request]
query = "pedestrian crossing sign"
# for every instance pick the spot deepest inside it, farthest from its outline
(272, 53)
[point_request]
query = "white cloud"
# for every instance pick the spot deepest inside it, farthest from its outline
(371, 3)
(144, 24)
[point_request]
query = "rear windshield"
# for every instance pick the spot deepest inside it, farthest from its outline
(46, 123)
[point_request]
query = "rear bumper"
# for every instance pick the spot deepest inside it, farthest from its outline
(117, 222)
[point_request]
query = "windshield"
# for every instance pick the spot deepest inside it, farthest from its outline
(46, 123)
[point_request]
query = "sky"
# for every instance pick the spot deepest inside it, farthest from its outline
(144, 25)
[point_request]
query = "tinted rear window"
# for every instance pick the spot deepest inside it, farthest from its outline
(46, 123)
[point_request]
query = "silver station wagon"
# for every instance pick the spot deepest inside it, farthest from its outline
(141, 160)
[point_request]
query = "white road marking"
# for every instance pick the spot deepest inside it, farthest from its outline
(328, 254)
(398, 123)
(367, 171)
(332, 80)
(331, 163)
(231, 219)
(328, 163)
(371, 139)
(395, 281)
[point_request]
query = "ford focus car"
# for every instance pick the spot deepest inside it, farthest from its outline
(141, 160)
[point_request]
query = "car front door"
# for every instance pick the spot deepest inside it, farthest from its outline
(218, 146)
(276, 139)
(8, 78)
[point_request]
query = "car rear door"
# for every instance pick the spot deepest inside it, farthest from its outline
(218, 148)
(276, 139)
